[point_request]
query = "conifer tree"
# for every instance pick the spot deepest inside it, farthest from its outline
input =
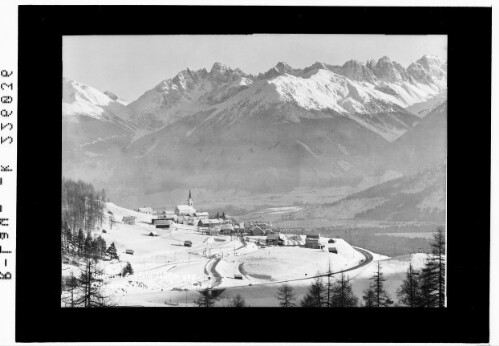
(342, 293)
(432, 280)
(369, 297)
(315, 296)
(87, 245)
(80, 241)
(90, 284)
(127, 269)
(286, 296)
(410, 292)
(112, 252)
(329, 288)
(381, 298)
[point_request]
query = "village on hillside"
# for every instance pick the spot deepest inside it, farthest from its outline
(183, 257)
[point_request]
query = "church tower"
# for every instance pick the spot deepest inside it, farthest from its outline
(190, 202)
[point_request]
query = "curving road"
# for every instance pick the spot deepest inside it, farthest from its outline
(368, 259)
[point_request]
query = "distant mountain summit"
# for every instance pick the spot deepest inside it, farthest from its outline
(222, 129)
(354, 89)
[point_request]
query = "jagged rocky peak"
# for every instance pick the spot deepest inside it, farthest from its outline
(319, 66)
(434, 65)
(356, 70)
(221, 73)
(282, 65)
(218, 67)
(388, 70)
(430, 61)
(427, 68)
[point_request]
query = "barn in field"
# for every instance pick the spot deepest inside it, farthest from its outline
(129, 220)
(161, 223)
(275, 239)
(145, 210)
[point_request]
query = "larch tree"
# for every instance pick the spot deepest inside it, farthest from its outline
(315, 296)
(286, 296)
(343, 294)
(369, 297)
(433, 274)
(71, 287)
(409, 293)
(237, 302)
(381, 297)
(207, 299)
(90, 284)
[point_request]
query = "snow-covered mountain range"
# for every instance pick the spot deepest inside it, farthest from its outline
(284, 128)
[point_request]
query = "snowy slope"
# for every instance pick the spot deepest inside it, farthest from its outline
(82, 100)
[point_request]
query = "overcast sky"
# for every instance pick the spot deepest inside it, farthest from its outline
(131, 65)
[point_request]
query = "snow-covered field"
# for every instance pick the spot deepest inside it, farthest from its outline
(166, 273)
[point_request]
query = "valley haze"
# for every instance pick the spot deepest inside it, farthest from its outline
(281, 137)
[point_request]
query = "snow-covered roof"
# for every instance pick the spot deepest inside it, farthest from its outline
(226, 226)
(203, 213)
(185, 209)
(210, 222)
(145, 210)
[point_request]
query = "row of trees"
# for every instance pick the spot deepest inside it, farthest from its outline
(86, 290)
(81, 244)
(329, 293)
(210, 297)
(419, 289)
(82, 206)
(86, 246)
(427, 287)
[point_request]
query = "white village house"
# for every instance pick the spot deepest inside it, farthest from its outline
(145, 210)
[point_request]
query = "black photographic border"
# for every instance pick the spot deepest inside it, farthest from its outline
(39, 317)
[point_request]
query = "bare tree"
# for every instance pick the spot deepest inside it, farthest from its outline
(207, 299)
(237, 302)
(90, 285)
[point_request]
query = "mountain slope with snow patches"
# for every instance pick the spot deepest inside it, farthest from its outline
(322, 125)
(355, 90)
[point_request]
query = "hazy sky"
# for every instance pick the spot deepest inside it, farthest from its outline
(131, 65)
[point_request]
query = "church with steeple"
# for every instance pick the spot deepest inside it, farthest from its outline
(186, 209)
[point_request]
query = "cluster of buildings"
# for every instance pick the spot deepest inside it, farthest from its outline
(188, 215)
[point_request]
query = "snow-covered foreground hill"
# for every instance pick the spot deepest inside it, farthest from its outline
(168, 274)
